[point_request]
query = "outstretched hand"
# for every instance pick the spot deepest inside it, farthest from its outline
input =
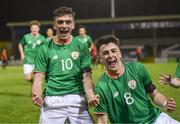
(165, 79)
(170, 105)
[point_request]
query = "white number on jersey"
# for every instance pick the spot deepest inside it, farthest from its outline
(66, 64)
(128, 98)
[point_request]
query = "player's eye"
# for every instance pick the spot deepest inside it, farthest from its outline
(68, 22)
(60, 22)
(105, 53)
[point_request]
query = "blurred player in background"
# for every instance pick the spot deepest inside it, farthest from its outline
(49, 34)
(4, 58)
(86, 40)
(167, 79)
(66, 65)
(28, 48)
(124, 88)
(139, 53)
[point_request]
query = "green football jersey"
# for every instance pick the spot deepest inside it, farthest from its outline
(124, 98)
(62, 65)
(87, 40)
(31, 45)
(178, 71)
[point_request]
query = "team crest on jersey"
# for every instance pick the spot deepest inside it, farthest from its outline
(75, 55)
(38, 42)
(29, 42)
(132, 84)
(85, 39)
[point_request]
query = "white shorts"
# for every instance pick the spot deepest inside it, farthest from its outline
(58, 109)
(28, 68)
(165, 119)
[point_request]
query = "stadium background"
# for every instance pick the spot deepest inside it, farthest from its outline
(153, 25)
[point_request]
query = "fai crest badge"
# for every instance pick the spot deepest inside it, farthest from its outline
(132, 84)
(75, 55)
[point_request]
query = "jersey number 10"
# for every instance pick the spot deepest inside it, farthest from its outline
(66, 64)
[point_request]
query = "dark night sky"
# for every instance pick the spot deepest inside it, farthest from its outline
(26, 10)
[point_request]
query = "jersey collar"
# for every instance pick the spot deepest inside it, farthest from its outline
(118, 74)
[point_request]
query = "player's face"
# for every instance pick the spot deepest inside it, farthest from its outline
(82, 31)
(64, 26)
(110, 56)
(34, 30)
(49, 32)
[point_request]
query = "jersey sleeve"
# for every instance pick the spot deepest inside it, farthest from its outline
(177, 74)
(101, 107)
(40, 61)
(85, 58)
(22, 41)
(144, 74)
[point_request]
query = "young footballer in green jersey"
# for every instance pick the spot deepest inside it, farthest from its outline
(66, 65)
(49, 34)
(167, 79)
(86, 40)
(29, 46)
(123, 89)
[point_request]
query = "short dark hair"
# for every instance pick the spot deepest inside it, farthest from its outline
(63, 11)
(105, 39)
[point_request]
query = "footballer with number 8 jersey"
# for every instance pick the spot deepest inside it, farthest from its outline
(124, 88)
(66, 65)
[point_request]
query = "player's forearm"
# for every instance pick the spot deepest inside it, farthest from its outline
(175, 82)
(159, 99)
(102, 119)
(21, 50)
(37, 84)
(88, 84)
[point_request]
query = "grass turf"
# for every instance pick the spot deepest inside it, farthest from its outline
(16, 105)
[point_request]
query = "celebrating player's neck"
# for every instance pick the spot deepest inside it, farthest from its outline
(61, 41)
(116, 73)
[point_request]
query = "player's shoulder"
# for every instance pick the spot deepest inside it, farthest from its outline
(42, 36)
(76, 42)
(27, 35)
(134, 67)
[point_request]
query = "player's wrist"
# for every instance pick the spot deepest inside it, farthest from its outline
(169, 79)
(164, 103)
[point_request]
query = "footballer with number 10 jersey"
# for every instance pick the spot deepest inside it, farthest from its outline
(62, 66)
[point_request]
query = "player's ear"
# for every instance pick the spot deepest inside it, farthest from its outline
(73, 26)
(54, 27)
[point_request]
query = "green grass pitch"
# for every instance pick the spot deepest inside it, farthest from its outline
(16, 104)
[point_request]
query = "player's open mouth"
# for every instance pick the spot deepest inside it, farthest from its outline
(64, 31)
(111, 62)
